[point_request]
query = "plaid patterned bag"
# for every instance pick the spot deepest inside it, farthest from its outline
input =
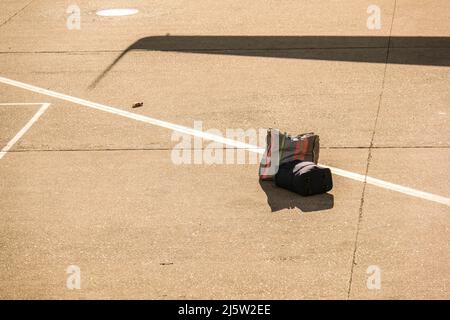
(282, 148)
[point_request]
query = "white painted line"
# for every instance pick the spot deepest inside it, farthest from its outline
(22, 131)
(208, 136)
(390, 186)
(133, 116)
(117, 12)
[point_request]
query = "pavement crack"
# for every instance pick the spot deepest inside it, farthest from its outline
(385, 147)
(200, 50)
(116, 149)
(15, 14)
(60, 52)
(224, 148)
(369, 158)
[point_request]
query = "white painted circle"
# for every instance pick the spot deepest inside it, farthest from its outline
(117, 12)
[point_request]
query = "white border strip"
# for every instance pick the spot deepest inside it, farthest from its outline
(22, 131)
(391, 186)
(208, 136)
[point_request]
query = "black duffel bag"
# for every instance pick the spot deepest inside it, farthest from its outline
(304, 177)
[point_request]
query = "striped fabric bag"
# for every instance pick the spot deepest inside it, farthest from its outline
(282, 148)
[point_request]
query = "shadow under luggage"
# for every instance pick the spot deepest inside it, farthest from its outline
(279, 199)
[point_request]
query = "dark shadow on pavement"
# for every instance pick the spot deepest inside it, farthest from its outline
(279, 199)
(431, 51)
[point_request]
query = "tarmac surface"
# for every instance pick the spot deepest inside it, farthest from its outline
(87, 180)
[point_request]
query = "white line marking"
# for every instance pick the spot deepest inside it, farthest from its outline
(391, 186)
(208, 136)
(131, 115)
(22, 131)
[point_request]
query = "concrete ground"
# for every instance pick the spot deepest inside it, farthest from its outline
(100, 191)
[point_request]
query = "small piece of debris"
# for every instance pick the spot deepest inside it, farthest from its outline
(166, 263)
(138, 104)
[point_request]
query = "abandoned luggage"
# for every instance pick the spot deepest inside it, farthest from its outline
(304, 177)
(282, 148)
